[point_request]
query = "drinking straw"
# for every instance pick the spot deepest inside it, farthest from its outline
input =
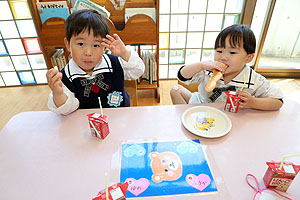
(106, 188)
(244, 81)
(100, 106)
(284, 157)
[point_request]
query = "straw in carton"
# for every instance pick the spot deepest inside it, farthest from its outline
(100, 106)
(106, 187)
(285, 158)
(244, 82)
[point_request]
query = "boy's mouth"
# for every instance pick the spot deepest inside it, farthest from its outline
(87, 62)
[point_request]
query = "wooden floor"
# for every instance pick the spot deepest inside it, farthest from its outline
(14, 100)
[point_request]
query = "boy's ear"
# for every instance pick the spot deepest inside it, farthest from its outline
(67, 44)
(250, 57)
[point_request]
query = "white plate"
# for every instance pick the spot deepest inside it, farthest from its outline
(206, 121)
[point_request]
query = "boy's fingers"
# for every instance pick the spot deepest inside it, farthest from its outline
(110, 38)
(53, 78)
(104, 44)
(116, 36)
(51, 73)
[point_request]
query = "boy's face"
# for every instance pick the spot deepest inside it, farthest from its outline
(234, 57)
(86, 50)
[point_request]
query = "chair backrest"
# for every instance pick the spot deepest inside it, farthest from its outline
(191, 87)
(131, 88)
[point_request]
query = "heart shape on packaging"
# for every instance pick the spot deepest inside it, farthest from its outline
(199, 182)
(137, 187)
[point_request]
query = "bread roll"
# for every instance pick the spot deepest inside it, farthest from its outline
(216, 76)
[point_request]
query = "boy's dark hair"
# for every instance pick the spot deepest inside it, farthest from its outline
(86, 19)
(236, 34)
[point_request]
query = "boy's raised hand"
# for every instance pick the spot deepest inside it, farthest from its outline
(54, 81)
(214, 65)
(116, 46)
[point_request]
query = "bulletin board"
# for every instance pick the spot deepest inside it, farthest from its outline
(165, 168)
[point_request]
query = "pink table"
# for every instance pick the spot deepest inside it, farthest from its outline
(47, 156)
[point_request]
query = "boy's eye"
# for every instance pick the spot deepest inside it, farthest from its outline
(80, 44)
(219, 51)
(96, 45)
(232, 52)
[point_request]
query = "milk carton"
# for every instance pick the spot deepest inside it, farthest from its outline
(280, 178)
(99, 125)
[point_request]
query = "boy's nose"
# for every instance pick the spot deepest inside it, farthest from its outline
(87, 51)
(224, 57)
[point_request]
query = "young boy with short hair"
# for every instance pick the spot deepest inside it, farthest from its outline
(234, 47)
(91, 73)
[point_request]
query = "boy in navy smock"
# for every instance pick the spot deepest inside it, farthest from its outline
(234, 48)
(91, 73)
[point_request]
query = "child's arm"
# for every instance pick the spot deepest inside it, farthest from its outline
(267, 103)
(116, 46)
(192, 69)
(132, 64)
(54, 82)
(61, 99)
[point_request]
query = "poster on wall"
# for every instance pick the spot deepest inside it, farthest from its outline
(165, 168)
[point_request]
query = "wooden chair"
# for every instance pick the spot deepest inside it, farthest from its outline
(131, 88)
(192, 87)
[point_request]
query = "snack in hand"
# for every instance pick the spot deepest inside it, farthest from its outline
(216, 76)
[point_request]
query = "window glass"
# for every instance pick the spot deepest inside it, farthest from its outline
(196, 22)
(164, 23)
(192, 56)
(20, 62)
(163, 40)
(8, 29)
(14, 46)
(234, 6)
(198, 6)
(208, 54)
(1, 81)
(6, 64)
(215, 6)
(37, 61)
(40, 76)
(163, 56)
(163, 71)
(178, 23)
(173, 70)
(230, 20)
(214, 22)
(32, 45)
(10, 78)
(177, 40)
(164, 7)
(179, 6)
(5, 11)
(26, 28)
(3, 50)
(20, 9)
(194, 40)
(209, 39)
(26, 77)
(176, 56)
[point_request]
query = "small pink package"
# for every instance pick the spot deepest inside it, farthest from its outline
(99, 125)
(232, 102)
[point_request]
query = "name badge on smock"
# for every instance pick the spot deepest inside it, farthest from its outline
(115, 98)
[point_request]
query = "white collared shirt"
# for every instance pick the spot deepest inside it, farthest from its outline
(257, 85)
